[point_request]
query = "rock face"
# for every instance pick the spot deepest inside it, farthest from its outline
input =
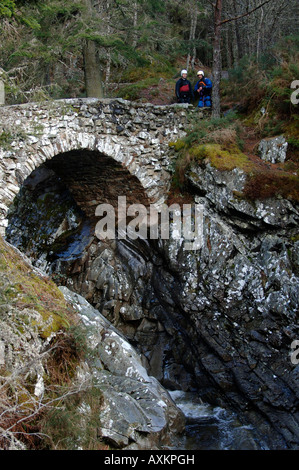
(219, 320)
(246, 304)
(136, 412)
(273, 150)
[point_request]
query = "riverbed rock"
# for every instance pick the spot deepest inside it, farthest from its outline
(136, 410)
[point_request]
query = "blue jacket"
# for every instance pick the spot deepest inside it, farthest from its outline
(206, 85)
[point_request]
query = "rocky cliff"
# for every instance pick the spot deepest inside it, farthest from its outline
(219, 320)
(118, 404)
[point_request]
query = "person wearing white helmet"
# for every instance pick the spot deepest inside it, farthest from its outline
(203, 88)
(183, 89)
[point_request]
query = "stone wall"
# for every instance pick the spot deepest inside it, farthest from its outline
(136, 136)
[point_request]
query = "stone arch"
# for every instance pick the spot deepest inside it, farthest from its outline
(111, 146)
(137, 136)
(75, 182)
(43, 151)
(94, 178)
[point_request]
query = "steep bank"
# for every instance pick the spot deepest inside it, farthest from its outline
(68, 379)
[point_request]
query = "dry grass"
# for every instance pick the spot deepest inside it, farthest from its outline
(226, 137)
(35, 329)
(271, 184)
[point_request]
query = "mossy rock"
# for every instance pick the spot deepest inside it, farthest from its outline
(24, 289)
(220, 158)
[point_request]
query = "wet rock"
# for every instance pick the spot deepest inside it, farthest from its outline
(134, 404)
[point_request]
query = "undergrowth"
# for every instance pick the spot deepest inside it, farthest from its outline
(261, 88)
(221, 143)
(44, 340)
(217, 140)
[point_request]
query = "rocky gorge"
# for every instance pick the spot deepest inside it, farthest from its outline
(217, 322)
(159, 319)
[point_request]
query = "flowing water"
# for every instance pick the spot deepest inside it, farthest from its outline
(212, 427)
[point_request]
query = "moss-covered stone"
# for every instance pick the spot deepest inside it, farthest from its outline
(221, 158)
(177, 145)
(24, 289)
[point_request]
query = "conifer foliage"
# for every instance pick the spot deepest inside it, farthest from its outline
(61, 49)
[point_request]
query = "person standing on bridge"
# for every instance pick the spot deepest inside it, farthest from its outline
(183, 89)
(203, 88)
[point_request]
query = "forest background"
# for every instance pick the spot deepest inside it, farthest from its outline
(136, 49)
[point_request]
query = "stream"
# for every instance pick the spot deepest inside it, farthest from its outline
(212, 427)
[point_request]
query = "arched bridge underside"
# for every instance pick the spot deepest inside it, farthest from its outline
(101, 149)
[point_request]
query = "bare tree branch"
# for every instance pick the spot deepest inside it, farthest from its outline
(211, 3)
(244, 14)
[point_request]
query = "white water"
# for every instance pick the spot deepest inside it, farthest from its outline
(213, 428)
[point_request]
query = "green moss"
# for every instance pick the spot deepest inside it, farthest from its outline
(224, 159)
(5, 138)
(23, 289)
(178, 145)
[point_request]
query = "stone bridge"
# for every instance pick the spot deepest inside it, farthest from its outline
(101, 148)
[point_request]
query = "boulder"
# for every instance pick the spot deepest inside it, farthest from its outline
(273, 149)
(136, 410)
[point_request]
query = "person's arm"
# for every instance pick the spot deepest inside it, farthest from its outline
(177, 89)
(199, 86)
(208, 84)
(191, 91)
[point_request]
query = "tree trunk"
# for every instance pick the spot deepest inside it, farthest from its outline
(238, 36)
(108, 62)
(92, 72)
(259, 33)
(194, 46)
(217, 61)
(135, 22)
(192, 49)
(228, 43)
